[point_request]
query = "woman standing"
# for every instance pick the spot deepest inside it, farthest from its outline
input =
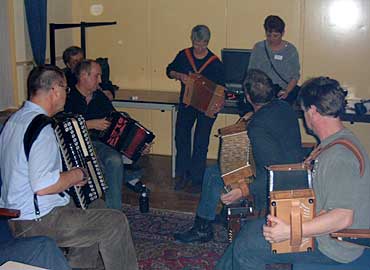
(278, 58)
(191, 161)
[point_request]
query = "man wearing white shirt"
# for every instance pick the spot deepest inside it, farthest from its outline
(100, 231)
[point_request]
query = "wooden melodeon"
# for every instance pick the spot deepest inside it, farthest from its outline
(78, 151)
(203, 94)
(293, 206)
(126, 135)
(235, 153)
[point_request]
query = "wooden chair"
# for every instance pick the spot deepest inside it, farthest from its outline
(359, 236)
(5, 232)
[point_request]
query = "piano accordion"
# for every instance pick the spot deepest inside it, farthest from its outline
(235, 153)
(204, 95)
(78, 151)
(293, 206)
(126, 135)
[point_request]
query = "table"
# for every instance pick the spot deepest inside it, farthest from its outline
(151, 100)
(168, 101)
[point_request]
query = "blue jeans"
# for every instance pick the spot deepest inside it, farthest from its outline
(37, 251)
(113, 169)
(211, 191)
(250, 251)
(191, 161)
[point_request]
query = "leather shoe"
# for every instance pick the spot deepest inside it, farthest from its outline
(202, 231)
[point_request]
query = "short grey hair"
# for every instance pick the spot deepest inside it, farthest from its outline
(200, 32)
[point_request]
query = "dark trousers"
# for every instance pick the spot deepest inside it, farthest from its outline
(191, 161)
(38, 251)
(250, 251)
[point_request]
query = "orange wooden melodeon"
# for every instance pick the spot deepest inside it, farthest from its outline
(203, 94)
(294, 207)
(235, 153)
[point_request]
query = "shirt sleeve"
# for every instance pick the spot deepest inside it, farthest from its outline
(175, 65)
(253, 63)
(293, 64)
(44, 160)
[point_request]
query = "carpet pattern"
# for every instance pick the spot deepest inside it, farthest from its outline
(156, 249)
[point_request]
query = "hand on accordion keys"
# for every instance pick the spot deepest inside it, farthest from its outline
(276, 230)
(98, 124)
(81, 177)
(147, 148)
(231, 196)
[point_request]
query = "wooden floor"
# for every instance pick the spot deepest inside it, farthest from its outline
(157, 176)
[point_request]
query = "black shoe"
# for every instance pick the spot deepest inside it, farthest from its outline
(202, 231)
(181, 183)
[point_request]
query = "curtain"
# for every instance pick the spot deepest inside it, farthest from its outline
(6, 66)
(36, 13)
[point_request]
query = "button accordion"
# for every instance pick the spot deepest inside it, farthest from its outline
(204, 95)
(78, 151)
(294, 206)
(126, 135)
(235, 153)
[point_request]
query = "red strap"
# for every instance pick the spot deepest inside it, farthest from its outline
(353, 148)
(190, 58)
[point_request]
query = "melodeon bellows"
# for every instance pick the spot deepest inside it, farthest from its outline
(203, 94)
(78, 151)
(235, 153)
(126, 135)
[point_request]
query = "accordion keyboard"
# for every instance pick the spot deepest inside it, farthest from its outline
(78, 151)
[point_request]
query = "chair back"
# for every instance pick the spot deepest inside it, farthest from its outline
(5, 233)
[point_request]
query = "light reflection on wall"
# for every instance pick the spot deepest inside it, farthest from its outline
(344, 14)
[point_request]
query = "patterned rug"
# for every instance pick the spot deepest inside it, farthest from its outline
(156, 248)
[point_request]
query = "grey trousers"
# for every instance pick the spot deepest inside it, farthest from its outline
(88, 233)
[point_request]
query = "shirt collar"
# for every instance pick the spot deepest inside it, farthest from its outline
(29, 105)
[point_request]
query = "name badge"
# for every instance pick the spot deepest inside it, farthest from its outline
(278, 57)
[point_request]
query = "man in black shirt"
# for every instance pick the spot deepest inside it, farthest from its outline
(95, 106)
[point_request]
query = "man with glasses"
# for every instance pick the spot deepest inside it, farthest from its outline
(91, 233)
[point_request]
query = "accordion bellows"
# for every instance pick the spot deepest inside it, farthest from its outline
(203, 94)
(235, 154)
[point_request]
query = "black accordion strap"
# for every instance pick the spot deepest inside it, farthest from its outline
(33, 131)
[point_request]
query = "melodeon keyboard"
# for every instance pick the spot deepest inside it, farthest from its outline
(126, 135)
(78, 151)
